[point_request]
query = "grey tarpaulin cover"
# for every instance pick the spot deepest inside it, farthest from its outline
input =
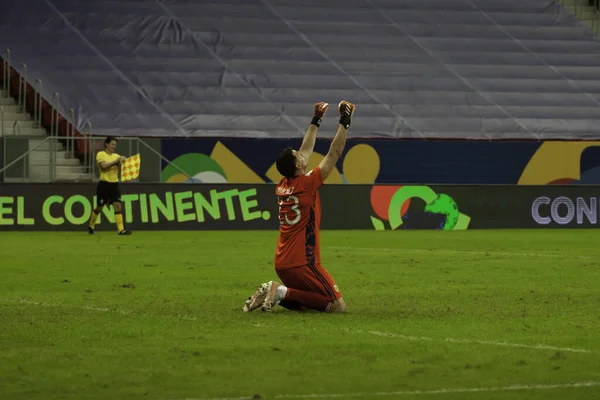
(478, 69)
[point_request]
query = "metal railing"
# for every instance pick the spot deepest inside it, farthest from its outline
(71, 133)
(22, 92)
(87, 146)
(37, 103)
(5, 84)
(133, 144)
(40, 164)
(97, 143)
(57, 146)
(6, 67)
(163, 158)
(23, 89)
(26, 165)
(60, 152)
(54, 116)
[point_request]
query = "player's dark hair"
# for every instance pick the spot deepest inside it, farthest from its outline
(109, 139)
(286, 162)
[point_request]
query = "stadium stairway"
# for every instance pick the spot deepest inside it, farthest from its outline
(18, 127)
(508, 69)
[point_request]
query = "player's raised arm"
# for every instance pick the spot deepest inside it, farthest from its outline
(308, 143)
(336, 148)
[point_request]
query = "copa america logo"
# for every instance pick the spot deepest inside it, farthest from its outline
(562, 210)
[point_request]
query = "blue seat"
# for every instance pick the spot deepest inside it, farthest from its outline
(510, 69)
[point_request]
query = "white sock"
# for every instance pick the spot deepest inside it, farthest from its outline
(281, 292)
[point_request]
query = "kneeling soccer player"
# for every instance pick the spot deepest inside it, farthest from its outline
(306, 284)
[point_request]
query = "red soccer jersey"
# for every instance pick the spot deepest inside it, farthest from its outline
(299, 220)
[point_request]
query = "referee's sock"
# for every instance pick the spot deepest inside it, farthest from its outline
(93, 219)
(119, 220)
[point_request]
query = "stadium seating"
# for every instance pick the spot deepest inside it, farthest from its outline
(250, 68)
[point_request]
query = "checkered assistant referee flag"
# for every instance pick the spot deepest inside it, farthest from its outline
(130, 169)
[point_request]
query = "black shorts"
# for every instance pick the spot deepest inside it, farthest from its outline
(108, 193)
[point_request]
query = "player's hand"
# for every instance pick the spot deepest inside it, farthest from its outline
(122, 159)
(346, 110)
(320, 109)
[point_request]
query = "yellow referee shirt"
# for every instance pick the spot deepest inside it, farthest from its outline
(112, 173)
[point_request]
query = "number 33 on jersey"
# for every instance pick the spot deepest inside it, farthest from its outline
(299, 220)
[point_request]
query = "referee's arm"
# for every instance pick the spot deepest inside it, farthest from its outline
(108, 164)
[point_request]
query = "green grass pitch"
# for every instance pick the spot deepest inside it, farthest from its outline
(431, 315)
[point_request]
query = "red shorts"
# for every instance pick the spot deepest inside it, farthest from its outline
(310, 278)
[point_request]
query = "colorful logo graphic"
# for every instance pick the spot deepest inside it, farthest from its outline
(560, 163)
(201, 168)
(415, 207)
(360, 166)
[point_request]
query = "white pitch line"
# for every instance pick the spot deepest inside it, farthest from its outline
(484, 342)
(222, 398)
(42, 304)
(124, 312)
(384, 334)
(474, 252)
(418, 392)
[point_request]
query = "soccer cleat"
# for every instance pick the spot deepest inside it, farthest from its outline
(346, 110)
(90, 230)
(124, 232)
(257, 299)
(271, 299)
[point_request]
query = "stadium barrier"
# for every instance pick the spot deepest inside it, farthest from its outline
(65, 207)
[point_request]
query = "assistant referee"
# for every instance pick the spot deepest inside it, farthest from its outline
(108, 191)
